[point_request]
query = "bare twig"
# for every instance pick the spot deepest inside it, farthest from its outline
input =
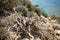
(14, 25)
(25, 30)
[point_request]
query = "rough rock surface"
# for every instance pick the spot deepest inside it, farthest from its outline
(20, 26)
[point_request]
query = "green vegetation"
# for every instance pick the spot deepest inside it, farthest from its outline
(8, 4)
(56, 18)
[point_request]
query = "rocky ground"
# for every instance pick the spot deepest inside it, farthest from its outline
(26, 25)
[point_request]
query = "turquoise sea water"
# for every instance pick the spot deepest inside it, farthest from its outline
(51, 7)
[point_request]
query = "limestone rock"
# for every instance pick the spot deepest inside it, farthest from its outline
(37, 38)
(25, 39)
(56, 26)
(57, 32)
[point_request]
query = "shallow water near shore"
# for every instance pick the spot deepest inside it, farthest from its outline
(51, 7)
